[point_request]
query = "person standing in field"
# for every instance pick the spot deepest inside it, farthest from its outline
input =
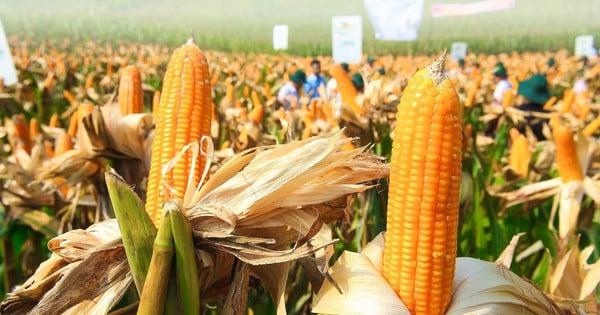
(502, 83)
(315, 83)
(290, 93)
(534, 94)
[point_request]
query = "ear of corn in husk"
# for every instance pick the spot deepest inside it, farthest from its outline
(479, 287)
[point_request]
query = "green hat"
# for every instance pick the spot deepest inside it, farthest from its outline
(381, 71)
(551, 62)
(299, 77)
(461, 62)
(535, 89)
(357, 80)
(500, 70)
(370, 59)
(345, 67)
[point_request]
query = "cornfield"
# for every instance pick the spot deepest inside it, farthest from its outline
(140, 178)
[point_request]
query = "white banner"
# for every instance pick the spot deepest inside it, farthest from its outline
(7, 65)
(395, 19)
(584, 45)
(346, 34)
(458, 51)
(455, 9)
(280, 37)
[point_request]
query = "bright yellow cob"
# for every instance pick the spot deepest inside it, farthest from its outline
(422, 216)
(591, 128)
(566, 153)
(346, 88)
(184, 116)
(520, 154)
(508, 98)
(130, 91)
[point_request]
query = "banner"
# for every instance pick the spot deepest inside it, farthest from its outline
(584, 45)
(346, 33)
(395, 19)
(456, 9)
(7, 66)
(458, 51)
(280, 37)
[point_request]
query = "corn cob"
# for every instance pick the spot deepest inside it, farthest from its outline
(89, 81)
(591, 128)
(34, 128)
(568, 100)
(508, 98)
(21, 131)
(267, 90)
(63, 144)
(130, 91)
(69, 97)
(520, 155)
(257, 113)
(422, 216)
(550, 102)
(184, 116)
(53, 121)
(77, 117)
(346, 88)
(566, 153)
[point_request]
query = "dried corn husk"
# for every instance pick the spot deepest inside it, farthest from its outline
(479, 287)
(243, 218)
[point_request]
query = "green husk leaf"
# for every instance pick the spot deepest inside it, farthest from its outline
(153, 296)
(137, 229)
(185, 259)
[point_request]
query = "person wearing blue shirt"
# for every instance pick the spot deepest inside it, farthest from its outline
(315, 81)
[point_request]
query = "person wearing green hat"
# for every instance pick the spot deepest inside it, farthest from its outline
(502, 83)
(358, 82)
(535, 93)
(290, 91)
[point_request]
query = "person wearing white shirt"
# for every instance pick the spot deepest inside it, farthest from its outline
(289, 92)
(502, 84)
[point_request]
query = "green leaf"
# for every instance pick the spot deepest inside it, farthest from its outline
(137, 230)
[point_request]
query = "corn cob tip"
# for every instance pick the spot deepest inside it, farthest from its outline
(436, 69)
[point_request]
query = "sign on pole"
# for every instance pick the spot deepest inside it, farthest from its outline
(395, 19)
(7, 66)
(458, 51)
(347, 38)
(584, 45)
(280, 37)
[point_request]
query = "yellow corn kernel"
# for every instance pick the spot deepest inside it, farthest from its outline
(155, 102)
(422, 216)
(184, 116)
(131, 97)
